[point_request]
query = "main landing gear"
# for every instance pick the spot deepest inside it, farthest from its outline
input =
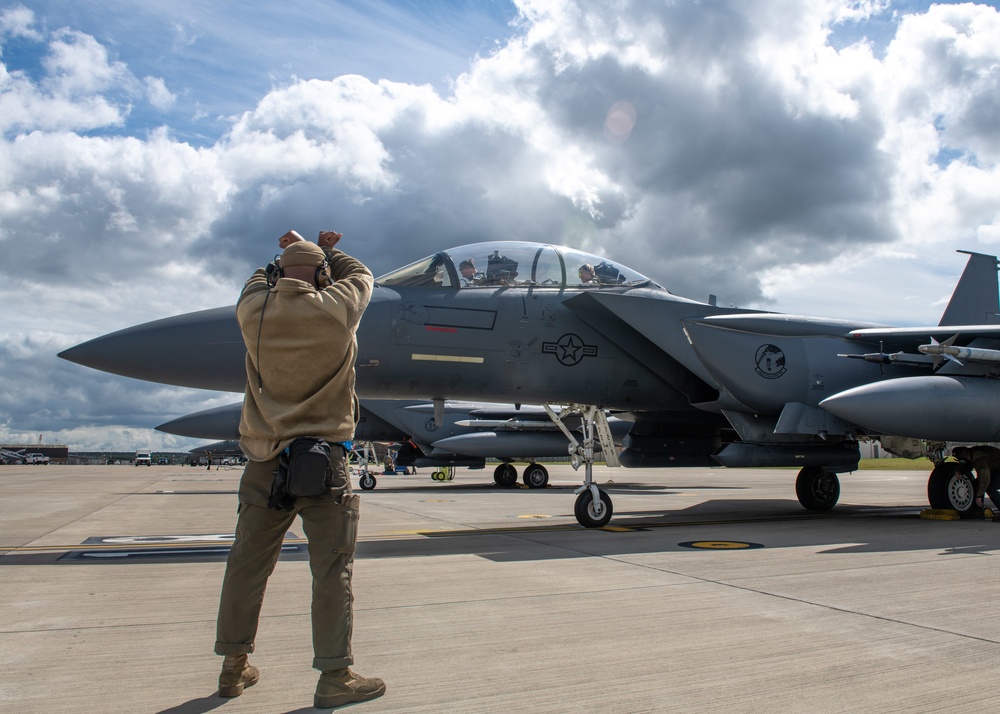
(951, 487)
(535, 476)
(817, 489)
(593, 507)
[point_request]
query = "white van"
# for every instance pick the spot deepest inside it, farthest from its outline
(143, 458)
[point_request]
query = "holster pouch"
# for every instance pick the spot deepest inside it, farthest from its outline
(303, 470)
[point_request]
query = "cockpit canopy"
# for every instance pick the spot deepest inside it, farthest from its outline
(514, 264)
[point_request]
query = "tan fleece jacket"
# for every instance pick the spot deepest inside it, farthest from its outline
(300, 357)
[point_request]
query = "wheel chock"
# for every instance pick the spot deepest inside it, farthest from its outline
(984, 515)
(940, 514)
(948, 514)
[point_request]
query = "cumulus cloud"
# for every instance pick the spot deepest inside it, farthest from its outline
(725, 148)
(158, 94)
(18, 21)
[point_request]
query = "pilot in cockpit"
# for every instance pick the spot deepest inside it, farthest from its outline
(587, 274)
(470, 276)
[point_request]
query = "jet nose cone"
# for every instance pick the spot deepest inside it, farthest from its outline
(219, 423)
(84, 354)
(203, 350)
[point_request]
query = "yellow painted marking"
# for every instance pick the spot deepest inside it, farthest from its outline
(446, 358)
(719, 544)
(534, 515)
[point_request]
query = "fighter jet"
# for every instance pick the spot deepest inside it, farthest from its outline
(469, 433)
(702, 384)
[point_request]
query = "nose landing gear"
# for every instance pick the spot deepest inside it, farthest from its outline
(593, 507)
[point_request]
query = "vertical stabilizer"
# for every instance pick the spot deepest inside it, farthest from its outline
(976, 300)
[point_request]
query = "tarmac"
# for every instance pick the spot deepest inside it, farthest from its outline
(711, 591)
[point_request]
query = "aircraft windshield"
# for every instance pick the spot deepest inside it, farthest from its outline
(512, 263)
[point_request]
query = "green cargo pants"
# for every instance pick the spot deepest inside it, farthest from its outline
(330, 524)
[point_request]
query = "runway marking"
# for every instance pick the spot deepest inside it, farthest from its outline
(534, 515)
(111, 547)
(720, 545)
(145, 542)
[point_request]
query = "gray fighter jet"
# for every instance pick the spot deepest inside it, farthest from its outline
(468, 434)
(702, 384)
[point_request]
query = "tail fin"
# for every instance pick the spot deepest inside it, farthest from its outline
(976, 300)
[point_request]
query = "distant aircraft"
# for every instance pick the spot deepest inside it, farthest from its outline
(702, 384)
(16, 457)
(469, 433)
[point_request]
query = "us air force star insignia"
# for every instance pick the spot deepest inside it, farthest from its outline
(430, 425)
(569, 349)
(770, 361)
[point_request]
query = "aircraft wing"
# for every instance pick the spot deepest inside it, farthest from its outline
(938, 332)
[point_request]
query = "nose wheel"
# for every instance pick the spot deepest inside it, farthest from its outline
(591, 512)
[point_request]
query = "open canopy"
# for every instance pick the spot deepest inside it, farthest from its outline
(514, 264)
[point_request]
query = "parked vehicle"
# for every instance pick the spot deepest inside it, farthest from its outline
(143, 458)
(36, 458)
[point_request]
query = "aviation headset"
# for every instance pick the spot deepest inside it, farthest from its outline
(321, 277)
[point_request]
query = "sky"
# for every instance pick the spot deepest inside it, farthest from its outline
(817, 157)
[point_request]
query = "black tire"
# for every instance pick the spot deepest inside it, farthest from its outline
(505, 475)
(367, 482)
(817, 489)
(950, 487)
(535, 476)
(584, 511)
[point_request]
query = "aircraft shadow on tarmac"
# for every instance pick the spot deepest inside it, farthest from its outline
(772, 523)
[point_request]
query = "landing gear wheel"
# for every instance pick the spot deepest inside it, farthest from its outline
(535, 476)
(951, 488)
(586, 510)
(817, 490)
(439, 476)
(505, 475)
(366, 482)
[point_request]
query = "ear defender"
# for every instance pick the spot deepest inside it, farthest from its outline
(273, 271)
(322, 276)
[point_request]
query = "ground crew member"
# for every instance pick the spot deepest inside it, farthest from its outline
(984, 459)
(298, 318)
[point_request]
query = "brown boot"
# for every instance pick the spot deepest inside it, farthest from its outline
(342, 686)
(236, 674)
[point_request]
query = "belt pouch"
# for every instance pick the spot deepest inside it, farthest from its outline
(308, 467)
